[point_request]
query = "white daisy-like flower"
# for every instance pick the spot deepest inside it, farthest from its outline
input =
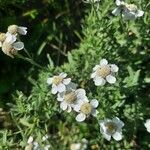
(128, 11)
(59, 83)
(104, 72)
(111, 128)
(147, 125)
(86, 108)
(15, 29)
(70, 98)
(10, 47)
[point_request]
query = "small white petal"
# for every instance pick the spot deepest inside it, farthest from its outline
(63, 105)
(114, 68)
(44, 138)
(0, 44)
(94, 103)
(117, 136)
(59, 98)
(99, 81)
(94, 112)
(116, 11)
(76, 108)
(80, 117)
(111, 79)
(118, 2)
(30, 140)
(80, 93)
(67, 81)
(93, 75)
(128, 15)
(22, 30)
(147, 125)
(107, 136)
(140, 13)
(71, 85)
(103, 62)
(63, 75)
(54, 89)
(69, 109)
(119, 123)
(96, 67)
(49, 80)
(61, 87)
(18, 45)
(10, 38)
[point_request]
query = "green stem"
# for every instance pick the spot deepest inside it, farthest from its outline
(30, 61)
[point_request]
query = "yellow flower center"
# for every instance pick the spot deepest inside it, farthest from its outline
(131, 7)
(103, 71)
(57, 80)
(111, 127)
(86, 108)
(70, 97)
(2, 37)
(13, 29)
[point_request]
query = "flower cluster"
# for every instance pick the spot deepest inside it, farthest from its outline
(128, 11)
(10, 42)
(71, 98)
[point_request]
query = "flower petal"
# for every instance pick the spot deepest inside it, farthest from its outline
(63, 105)
(99, 81)
(94, 112)
(30, 140)
(54, 89)
(61, 87)
(119, 123)
(118, 2)
(71, 85)
(22, 30)
(111, 79)
(117, 136)
(94, 103)
(49, 80)
(59, 97)
(10, 38)
(93, 75)
(116, 11)
(107, 136)
(80, 117)
(140, 13)
(67, 81)
(69, 109)
(18, 45)
(63, 75)
(114, 68)
(103, 62)
(96, 67)
(76, 108)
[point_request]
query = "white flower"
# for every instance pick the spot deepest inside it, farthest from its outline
(59, 83)
(111, 128)
(85, 108)
(104, 72)
(147, 125)
(128, 11)
(10, 47)
(70, 98)
(15, 29)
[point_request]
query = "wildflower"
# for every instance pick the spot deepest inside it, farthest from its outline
(104, 72)
(128, 11)
(11, 49)
(147, 125)
(15, 29)
(70, 98)
(85, 108)
(111, 128)
(59, 83)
